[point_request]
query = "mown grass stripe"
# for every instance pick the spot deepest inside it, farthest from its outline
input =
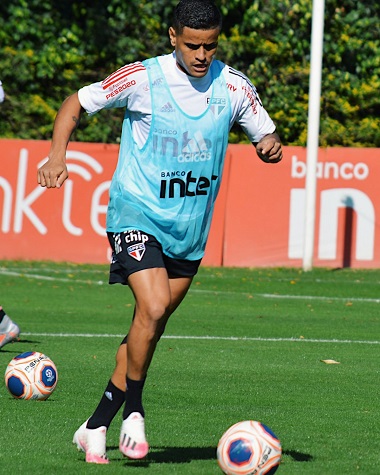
(192, 290)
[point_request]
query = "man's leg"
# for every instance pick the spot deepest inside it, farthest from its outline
(156, 298)
(92, 434)
(104, 414)
(114, 393)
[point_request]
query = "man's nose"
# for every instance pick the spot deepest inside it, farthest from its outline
(201, 53)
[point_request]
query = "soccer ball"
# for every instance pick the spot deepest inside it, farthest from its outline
(31, 375)
(247, 448)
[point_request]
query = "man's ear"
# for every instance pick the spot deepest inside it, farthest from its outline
(172, 36)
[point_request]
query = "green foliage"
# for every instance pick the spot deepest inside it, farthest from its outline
(270, 42)
(48, 50)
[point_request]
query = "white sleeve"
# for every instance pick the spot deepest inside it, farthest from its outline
(115, 90)
(2, 95)
(247, 108)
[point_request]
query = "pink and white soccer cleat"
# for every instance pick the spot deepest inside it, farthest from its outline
(92, 442)
(133, 443)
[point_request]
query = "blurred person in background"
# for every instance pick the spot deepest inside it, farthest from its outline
(9, 330)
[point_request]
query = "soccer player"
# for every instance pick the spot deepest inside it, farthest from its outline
(179, 109)
(9, 330)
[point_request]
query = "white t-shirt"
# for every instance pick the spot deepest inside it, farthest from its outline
(129, 87)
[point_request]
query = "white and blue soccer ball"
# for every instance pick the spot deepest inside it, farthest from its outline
(249, 448)
(31, 375)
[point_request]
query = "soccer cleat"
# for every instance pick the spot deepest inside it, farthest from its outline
(9, 331)
(133, 443)
(92, 442)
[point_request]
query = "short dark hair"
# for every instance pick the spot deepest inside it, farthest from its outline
(196, 14)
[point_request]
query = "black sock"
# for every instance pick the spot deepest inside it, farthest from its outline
(2, 314)
(133, 397)
(108, 407)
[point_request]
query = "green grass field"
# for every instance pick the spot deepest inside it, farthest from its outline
(245, 344)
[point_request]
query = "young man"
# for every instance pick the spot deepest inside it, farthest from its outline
(179, 110)
(9, 330)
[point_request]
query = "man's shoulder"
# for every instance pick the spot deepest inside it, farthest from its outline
(239, 83)
(126, 73)
(233, 74)
(165, 59)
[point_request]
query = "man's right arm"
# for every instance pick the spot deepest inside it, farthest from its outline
(54, 172)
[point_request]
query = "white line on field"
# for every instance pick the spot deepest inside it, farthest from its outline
(187, 337)
(49, 278)
(193, 290)
(314, 297)
(271, 277)
(286, 296)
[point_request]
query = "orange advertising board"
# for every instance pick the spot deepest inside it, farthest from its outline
(65, 224)
(259, 215)
(265, 215)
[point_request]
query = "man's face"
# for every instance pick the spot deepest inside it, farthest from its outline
(194, 49)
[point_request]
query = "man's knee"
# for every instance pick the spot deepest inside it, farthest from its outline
(153, 312)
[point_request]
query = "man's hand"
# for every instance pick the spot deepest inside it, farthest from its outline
(269, 148)
(52, 174)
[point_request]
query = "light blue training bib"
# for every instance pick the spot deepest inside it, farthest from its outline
(168, 187)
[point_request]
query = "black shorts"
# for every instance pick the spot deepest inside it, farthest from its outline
(135, 250)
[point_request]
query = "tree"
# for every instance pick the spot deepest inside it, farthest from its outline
(49, 49)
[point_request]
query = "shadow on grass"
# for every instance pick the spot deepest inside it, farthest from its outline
(14, 346)
(172, 455)
(298, 456)
(188, 454)
(15, 349)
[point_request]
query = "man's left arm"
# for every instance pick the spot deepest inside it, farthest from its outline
(269, 148)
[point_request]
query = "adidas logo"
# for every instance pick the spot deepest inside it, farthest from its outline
(167, 108)
(108, 395)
